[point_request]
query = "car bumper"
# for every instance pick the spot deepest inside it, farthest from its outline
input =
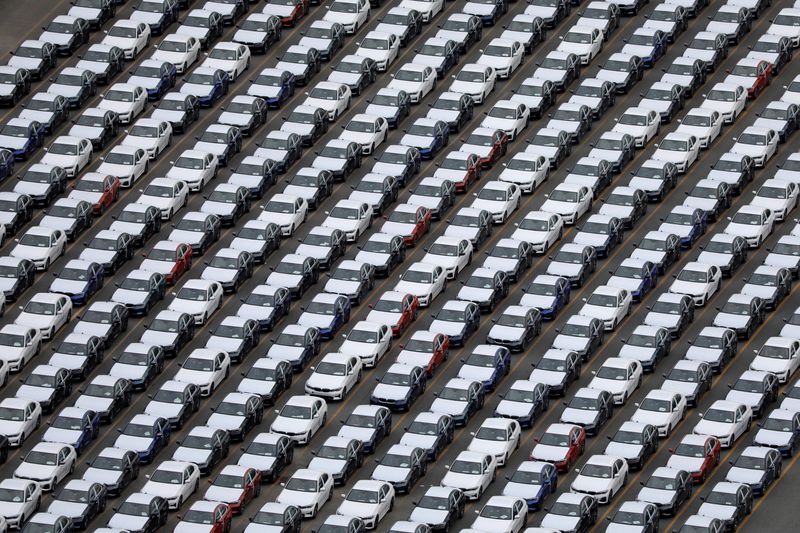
(333, 394)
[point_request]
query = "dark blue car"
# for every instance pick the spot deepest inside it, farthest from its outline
(80, 279)
(158, 77)
(207, 84)
(21, 136)
(6, 163)
(498, 8)
(328, 312)
(648, 44)
(428, 136)
(167, 10)
(636, 276)
(147, 435)
(487, 364)
(75, 426)
(534, 481)
(688, 223)
(443, 50)
(549, 294)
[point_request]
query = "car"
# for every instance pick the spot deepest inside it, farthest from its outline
(300, 418)
(698, 280)
(103, 60)
(754, 388)
(726, 420)
(439, 506)
(395, 309)
(334, 98)
(408, 221)
(47, 385)
(537, 94)
(663, 408)
(269, 454)
(687, 222)
(733, 21)
(128, 164)
(314, 185)
(727, 98)
(616, 148)
(458, 320)
(325, 36)
(237, 413)
(215, 514)
(227, 201)
(568, 201)
(182, 51)
(752, 222)
(353, 217)
(497, 436)
(203, 24)
(391, 104)
(608, 304)
(230, 267)
(325, 245)
(459, 399)
(203, 447)
(367, 130)
(775, 49)
(715, 346)
(175, 401)
(221, 140)
(756, 466)
(594, 172)
(769, 283)
(487, 364)
(726, 251)
(475, 80)
(400, 161)
(180, 110)
(378, 190)
(547, 293)
(47, 312)
(296, 273)
(381, 47)
(20, 345)
(729, 502)
(308, 490)
(195, 167)
(640, 123)
(47, 463)
(556, 369)
(354, 279)
(399, 387)
(635, 442)
(560, 68)
(628, 204)
(574, 262)
(370, 500)
(533, 481)
(67, 33)
(205, 368)
(169, 259)
(697, 455)
(301, 61)
(175, 481)
(778, 355)
(35, 56)
(602, 232)
(470, 472)
(285, 210)
(584, 41)
(231, 57)
(516, 327)
(582, 334)
(156, 76)
(207, 84)
(511, 256)
(571, 512)
(780, 117)
(647, 43)
(588, 408)
(638, 276)
(130, 512)
(326, 312)
(623, 70)
(778, 431)
(339, 457)
(435, 194)
(618, 375)
(340, 157)
(666, 96)
(78, 279)
(127, 101)
(100, 190)
(439, 53)
(733, 169)
(71, 216)
(601, 477)
(199, 298)
(74, 426)
(21, 136)
(761, 144)
(527, 171)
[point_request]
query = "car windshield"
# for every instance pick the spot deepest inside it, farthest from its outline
(276, 206)
(287, 339)
(746, 385)
(747, 219)
(497, 51)
(296, 412)
(320, 93)
(390, 101)
(40, 308)
(165, 326)
(12, 495)
(531, 89)
(134, 509)
(388, 306)
(334, 152)
(602, 300)
(470, 76)
(612, 373)
(777, 424)
(643, 341)
(655, 405)
(617, 65)
(198, 364)
(593, 470)
(565, 509)
(66, 422)
(578, 37)
(331, 369)
(195, 295)
(719, 415)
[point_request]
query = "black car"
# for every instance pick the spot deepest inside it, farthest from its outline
(278, 448)
(603, 93)
(562, 9)
(89, 497)
(599, 402)
(479, 223)
(634, 200)
(649, 345)
(77, 216)
(363, 274)
(347, 153)
(181, 326)
(722, 245)
(85, 82)
(445, 49)
(656, 178)
(178, 109)
(19, 275)
(764, 384)
(265, 235)
(155, 510)
(311, 179)
(75, 29)
(410, 20)
(539, 95)
(145, 219)
(228, 137)
(585, 256)
(783, 113)
(527, 320)
(697, 372)
(305, 267)
(56, 105)
(99, 54)
(692, 68)
(463, 317)
(482, 280)
(715, 43)
(114, 249)
(112, 317)
(438, 499)
(56, 383)
(313, 120)
(253, 107)
(114, 394)
(20, 81)
(299, 55)
(206, 227)
(535, 395)
(208, 24)
(375, 418)
(679, 482)
(187, 395)
(320, 239)
(339, 449)
(87, 347)
(578, 114)
(107, 11)
(270, 31)
(589, 330)
(721, 340)
(463, 104)
(402, 162)
(415, 460)
(248, 407)
(150, 362)
(660, 248)
(666, 92)
(641, 436)
(214, 442)
(737, 504)
(237, 264)
(124, 464)
(106, 121)
(756, 459)
(468, 27)
(267, 306)
(309, 340)
(162, 14)
(54, 177)
(558, 139)
(45, 52)
(272, 377)
(333, 33)
(744, 313)
(428, 424)
(391, 248)
(513, 256)
(600, 169)
(387, 187)
(525, 24)
(257, 174)
(736, 170)
(601, 228)
(632, 66)
(289, 146)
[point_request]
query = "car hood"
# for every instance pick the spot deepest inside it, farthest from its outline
(67, 286)
(578, 416)
(450, 407)
(505, 333)
(560, 522)
(619, 211)
(723, 512)
(772, 438)
(193, 455)
(513, 409)
(390, 392)
(126, 522)
(70, 509)
(566, 342)
(223, 275)
(590, 484)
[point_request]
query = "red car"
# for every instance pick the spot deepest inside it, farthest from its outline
(289, 11)
(753, 74)
(205, 517)
(170, 259)
(410, 221)
(489, 144)
(100, 190)
(424, 349)
(236, 486)
(462, 168)
(560, 444)
(697, 454)
(395, 309)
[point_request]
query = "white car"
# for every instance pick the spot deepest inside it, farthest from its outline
(127, 101)
(20, 418)
(128, 163)
(499, 437)
(72, 154)
(167, 195)
(180, 50)
(352, 217)
(698, 280)
(499, 198)
(334, 98)
(427, 8)
(47, 312)
(752, 222)
(367, 130)
(175, 481)
(368, 340)
(41, 245)
(501, 514)
(584, 41)
(471, 472)
(679, 149)
(526, 170)
(233, 58)
(757, 142)
(511, 117)
(779, 355)
(451, 253)
(334, 376)
(153, 136)
(664, 409)
(20, 500)
(198, 297)
(308, 490)
(130, 36)
(787, 24)
(352, 14)
(777, 195)
(640, 123)
(609, 304)
(503, 55)
(619, 376)
(541, 229)
(381, 47)
(18, 345)
(195, 168)
(369, 500)
(601, 477)
(569, 201)
(424, 280)
(205, 368)
(48, 464)
(415, 79)
(728, 99)
(285, 210)
(725, 420)
(475, 80)
(300, 418)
